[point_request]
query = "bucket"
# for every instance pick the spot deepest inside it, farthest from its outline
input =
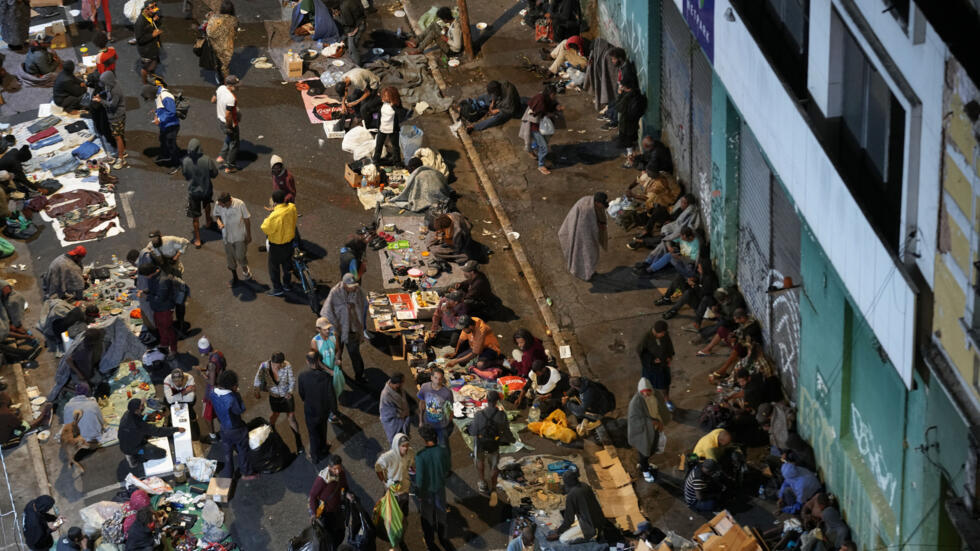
(409, 140)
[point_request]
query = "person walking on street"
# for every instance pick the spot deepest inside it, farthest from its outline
(228, 408)
(280, 230)
(395, 468)
(115, 108)
(198, 170)
(235, 224)
(148, 42)
(646, 417)
(490, 430)
(162, 296)
(316, 389)
(228, 118)
(282, 178)
(346, 308)
(276, 377)
(393, 408)
(656, 351)
(432, 466)
(436, 406)
(166, 119)
(329, 491)
(543, 106)
(215, 365)
(220, 29)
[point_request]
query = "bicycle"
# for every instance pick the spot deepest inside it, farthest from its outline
(306, 280)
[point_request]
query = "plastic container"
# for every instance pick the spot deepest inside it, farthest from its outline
(534, 414)
(410, 140)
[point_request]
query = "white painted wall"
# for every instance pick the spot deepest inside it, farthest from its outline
(872, 279)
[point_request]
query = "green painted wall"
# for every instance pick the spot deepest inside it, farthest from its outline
(726, 126)
(635, 26)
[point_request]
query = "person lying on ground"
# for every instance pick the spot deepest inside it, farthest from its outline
(445, 32)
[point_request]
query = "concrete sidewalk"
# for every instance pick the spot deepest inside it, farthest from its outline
(604, 319)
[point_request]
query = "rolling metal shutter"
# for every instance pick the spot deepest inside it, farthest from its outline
(700, 179)
(754, 231)
(784, 331)
(676, 89)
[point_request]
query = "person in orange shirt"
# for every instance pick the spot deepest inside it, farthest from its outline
(106, 59)
(477, 340)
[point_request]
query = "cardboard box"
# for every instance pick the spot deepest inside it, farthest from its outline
(292, 65)
(219, 489)
(352, 177)
(44, 3)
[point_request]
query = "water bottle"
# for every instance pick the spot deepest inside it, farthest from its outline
(115, 259)
(399, 33)
(534, 414)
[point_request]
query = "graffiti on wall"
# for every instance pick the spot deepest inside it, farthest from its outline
(785, 332)
(622, 27)
(752, 265)
(873, 455)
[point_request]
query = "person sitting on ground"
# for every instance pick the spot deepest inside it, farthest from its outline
(84, 359)
(178, 388)
(726, 302)
(75, 540)
(425, 187)
(443, 330)
(504, 104)
(703, 489)
(529, 349)
(755, 387)
(586, 399)
(682, 256)
(654, 153)
(812, 512)
(358, 90)
(92, 424)
(566, 18)
(525, 540)
(65, 277)
(571, 51)
(582, 519)
(655, 195)
(12, 162)
(135, 432)
(477, 294)
(547, 387)
(445, 31)
(477, 341)
(451, 238)
(697, 292)
(40, 61)
(747, 331)
(799, 485)
(68, 89)
(13, 427)
(39, 523)
(713, 445)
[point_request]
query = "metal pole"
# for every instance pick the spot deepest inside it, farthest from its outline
(464, 21)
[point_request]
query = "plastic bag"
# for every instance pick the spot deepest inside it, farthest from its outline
(359, 142)
(388, 510)
(211, 514)
(555, 427)
(546, 126)
(257, 436)
(132, 9)
(97, 513)
(153, 485)
(201, 469)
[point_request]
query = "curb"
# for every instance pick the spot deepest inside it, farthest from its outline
(37, 458)
(551, 322)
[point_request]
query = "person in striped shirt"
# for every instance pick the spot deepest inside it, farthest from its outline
(702, 489)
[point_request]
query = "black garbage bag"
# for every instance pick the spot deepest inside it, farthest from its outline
(360, 527)
(312, 538)
(273, 455)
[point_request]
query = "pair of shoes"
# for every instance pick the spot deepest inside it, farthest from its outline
(173, 170)
(131, 41)
(275, 292)
(641, 271)
(120, 162)
(633, 244)
(669, 314)
(610, 125)
(246, 274)
(662, 301)
(648, 477)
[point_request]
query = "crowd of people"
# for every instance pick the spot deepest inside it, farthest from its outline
(751, 411)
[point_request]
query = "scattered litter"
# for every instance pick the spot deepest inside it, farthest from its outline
(453, 63)
(523, 12)
(420, 107)
(320, 142)
(481, 25)
(543, 198)
(513, 235)
(75, 13)
(454, 128)
(565, 351)
(488, 221)
(399, 13)
(260, 137)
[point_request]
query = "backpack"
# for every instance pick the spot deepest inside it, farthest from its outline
(6, 248)
(112, 528)
(182, 104)
(19, 227)
(472, 110)
(606, 400)
(493, 436)
(714, 416)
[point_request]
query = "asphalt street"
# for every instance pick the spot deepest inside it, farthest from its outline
(243, 322)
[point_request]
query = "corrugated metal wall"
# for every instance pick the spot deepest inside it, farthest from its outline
(754, 230)
(784, 330)
(676, 89)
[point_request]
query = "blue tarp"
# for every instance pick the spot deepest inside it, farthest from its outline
(324, 27)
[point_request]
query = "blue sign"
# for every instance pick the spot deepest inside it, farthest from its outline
(700, 17)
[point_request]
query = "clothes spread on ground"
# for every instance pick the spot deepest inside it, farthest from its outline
(410, 74)
(85, 229)
(68, 201)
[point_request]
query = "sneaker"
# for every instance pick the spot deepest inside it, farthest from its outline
(669, 314)
(633, 244)
(120, 162)
(173, 170)
(246, 274)
(662, 301)
(648, 477)
(610, 125)
(131, 41)
(275, 292)
(670, 406)
(482, 488)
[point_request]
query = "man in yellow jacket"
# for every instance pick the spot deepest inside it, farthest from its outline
(280, 228)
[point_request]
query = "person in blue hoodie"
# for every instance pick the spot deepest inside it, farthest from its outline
(165, 117)
(228, 408)
(799, 485)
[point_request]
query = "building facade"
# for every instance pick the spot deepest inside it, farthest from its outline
(833, 146)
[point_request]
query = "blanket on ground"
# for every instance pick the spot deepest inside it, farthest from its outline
(410, 74)
(119, 344)
(424, 188)
(581, 235)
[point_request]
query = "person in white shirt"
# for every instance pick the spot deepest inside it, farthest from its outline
(392, 113)
(358, 91)
(226, 107)
(236, 233)
(178, 388)
(165, 250)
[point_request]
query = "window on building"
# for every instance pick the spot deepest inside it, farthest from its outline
(872, 140)
(899, 10)
(780, 27)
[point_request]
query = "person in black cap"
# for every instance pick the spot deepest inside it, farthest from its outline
(74, 541)
(580, 505)
(477, 293)
(583, 233)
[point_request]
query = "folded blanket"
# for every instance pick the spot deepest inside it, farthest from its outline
(42, 134)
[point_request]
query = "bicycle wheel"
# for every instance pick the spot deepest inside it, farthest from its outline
(309, 285)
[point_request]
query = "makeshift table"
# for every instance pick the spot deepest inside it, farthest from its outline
(163, 466)
(183, 445)
(411, 231)
(397, 315)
